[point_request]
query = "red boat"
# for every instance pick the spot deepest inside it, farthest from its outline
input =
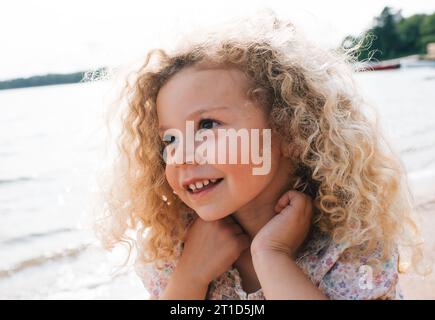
(380, 66)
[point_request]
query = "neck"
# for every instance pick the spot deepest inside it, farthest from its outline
(257, 213)
(252, 220)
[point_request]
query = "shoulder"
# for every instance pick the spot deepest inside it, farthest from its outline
(358, 274)
(344, 272)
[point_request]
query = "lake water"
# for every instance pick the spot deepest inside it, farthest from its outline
(51, 141)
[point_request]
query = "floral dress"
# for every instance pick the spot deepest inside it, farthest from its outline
(338, 273)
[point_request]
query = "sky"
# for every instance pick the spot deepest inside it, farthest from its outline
(43, 36)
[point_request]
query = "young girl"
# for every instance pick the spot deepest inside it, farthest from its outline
(323, 222)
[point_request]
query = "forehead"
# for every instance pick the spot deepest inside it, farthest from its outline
(192, 89)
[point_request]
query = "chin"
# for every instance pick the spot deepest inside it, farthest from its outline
(211, 215)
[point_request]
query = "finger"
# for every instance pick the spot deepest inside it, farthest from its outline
(298, 200)
(282, 202)
(294, 199)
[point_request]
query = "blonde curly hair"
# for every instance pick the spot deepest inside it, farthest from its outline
(357, 183)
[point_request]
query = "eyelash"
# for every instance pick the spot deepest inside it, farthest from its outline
(208, 119)
(165, 143)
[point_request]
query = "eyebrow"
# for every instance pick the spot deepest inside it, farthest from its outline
(195, 114)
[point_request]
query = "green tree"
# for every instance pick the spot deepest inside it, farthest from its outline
(393, 36)
(410, 34)
(427, 30)
(386, 39)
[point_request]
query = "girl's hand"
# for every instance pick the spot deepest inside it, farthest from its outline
(288, 229)
(211, 247)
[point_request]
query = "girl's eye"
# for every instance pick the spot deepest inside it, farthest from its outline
(168, 139)
(207, 124)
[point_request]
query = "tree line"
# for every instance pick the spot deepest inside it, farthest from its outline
(43, 80)
(53, 79)
(393, 36)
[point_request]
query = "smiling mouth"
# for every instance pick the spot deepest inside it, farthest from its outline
(202, 186)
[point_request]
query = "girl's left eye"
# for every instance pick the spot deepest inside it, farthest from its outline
(207, 124)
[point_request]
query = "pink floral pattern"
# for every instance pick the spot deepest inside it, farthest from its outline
(338, 273)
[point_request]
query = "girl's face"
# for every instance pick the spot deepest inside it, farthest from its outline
(216, 99)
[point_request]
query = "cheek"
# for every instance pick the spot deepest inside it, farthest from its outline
(242, 184)
(171, 176)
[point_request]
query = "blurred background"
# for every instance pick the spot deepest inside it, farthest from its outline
(52, 133)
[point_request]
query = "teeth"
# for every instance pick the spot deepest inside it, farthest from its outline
(199, 185)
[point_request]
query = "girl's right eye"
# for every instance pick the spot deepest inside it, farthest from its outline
(168, 139)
